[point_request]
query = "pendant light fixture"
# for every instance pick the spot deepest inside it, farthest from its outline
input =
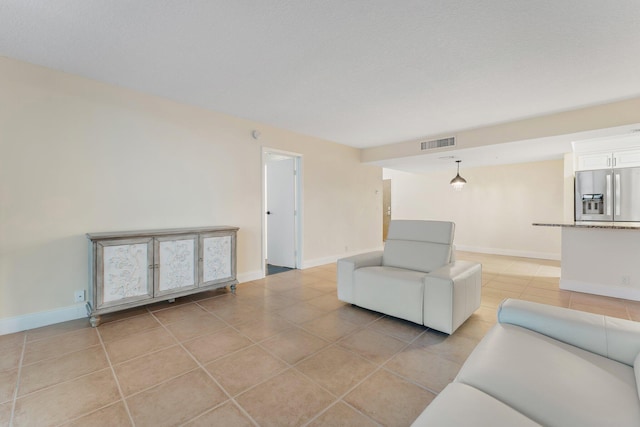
(458, 182)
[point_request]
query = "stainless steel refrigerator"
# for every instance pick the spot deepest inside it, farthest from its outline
(608, 195)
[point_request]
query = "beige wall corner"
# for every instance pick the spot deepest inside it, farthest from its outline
(80, 156)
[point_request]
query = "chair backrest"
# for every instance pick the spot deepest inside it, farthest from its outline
(418, 245)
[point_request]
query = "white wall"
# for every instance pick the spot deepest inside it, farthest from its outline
(599, 261)
(494, 211)
(79, 156)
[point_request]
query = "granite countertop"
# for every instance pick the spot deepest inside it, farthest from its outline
(593, 224)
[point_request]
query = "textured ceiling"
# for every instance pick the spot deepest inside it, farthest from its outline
(361, 73)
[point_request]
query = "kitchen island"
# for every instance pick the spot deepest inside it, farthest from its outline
(600, 258)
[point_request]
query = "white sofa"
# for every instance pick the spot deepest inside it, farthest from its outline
(545, 365)
(415, 278)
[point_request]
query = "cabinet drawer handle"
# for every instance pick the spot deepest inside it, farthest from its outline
(150, 265)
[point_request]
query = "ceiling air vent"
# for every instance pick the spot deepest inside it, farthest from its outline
(438, 143)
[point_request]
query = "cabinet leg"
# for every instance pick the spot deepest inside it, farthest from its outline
(233, 289)
(95, 321)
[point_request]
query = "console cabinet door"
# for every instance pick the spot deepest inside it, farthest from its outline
(217, 262)
(176, 262)
(124, 271)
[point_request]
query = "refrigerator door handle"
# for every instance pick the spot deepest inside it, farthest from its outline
(617, 195)
(608, 195)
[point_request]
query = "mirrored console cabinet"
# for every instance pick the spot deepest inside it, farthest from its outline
(133, 268)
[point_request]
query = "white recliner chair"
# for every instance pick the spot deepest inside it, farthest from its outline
(415, 278)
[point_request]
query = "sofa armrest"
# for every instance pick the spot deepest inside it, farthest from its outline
(346, 267)
(456, 270)
(451, 295)
(616, 339)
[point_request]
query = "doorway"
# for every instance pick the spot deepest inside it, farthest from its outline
(386, 207)
(281, 211)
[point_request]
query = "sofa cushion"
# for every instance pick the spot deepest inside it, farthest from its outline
(420, 230)
(390, 290)
(418, 256)
(623, 344)
(461, 405)
(550, 382)
(614, 338)
(418, 245)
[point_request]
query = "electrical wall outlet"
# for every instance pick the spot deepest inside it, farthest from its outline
(78, 296)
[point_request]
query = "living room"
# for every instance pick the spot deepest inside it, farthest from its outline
(103, 151)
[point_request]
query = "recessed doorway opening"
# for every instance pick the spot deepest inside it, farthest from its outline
(282, 213)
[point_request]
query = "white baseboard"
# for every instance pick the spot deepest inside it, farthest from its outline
(77, 311)
(509, 252)
(72, 312)
(309, 263)
(320, 261)
(11, 325)
(42, 318)
(600, 289)
(249, 276)
(493, 251)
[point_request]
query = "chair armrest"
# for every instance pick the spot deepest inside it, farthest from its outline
(368, 259)
(616, 339)
(456, 270)
(451, 295)
(346, 268)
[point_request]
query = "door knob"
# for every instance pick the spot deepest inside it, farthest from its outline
(268, 212)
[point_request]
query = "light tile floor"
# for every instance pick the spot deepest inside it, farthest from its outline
(283, 351)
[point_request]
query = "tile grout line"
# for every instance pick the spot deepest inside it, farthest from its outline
(384, 366)
(409, 380)
(213, 408)
(366, 377)
(66, 422)
(48, 387)
(290, 366)
(294, 367)
(18, 379)
(338, 398)
(308, 331)
(61, 355)
(344, 402)
(58, 335)
(161, 382)
(201, 367)
(140, 356)
(335, 403)
(115, 377)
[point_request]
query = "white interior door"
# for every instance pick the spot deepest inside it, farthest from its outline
(281, 238)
